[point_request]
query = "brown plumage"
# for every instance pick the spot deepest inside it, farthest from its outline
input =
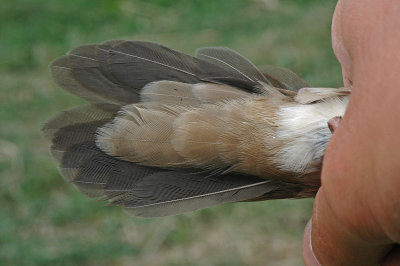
(167, 133)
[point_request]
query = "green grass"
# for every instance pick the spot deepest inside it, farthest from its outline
(45, 221)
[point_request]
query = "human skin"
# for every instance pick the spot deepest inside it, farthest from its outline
(356, 216)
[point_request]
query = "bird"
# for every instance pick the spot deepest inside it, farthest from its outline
(164, 133)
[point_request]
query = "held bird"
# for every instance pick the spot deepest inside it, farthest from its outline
(166, 133)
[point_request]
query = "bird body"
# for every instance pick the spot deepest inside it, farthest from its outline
(167, 133)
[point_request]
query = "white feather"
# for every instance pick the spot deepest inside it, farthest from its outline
(309, 95)
(304, 131)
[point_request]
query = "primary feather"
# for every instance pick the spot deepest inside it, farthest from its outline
(167, 133)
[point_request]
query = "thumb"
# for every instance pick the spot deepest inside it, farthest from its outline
(308, 253)
(328, 242)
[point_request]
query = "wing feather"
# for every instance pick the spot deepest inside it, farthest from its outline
(283, 78)
(230, 59)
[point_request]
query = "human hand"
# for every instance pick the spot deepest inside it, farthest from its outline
(356, 217)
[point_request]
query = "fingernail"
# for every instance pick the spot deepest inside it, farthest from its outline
(333, 123)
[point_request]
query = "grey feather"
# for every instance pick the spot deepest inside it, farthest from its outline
(217, 192)
(80, 114)
(116, 71)
(230, 59)
(63, 75)
(135, 64)
(283, 78)
(87, 67)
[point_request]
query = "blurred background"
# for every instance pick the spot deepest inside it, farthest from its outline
(45, 221)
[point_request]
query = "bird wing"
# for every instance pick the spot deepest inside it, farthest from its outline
(137, 91)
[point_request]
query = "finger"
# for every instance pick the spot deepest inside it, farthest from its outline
(334, 244)
(334, 123)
